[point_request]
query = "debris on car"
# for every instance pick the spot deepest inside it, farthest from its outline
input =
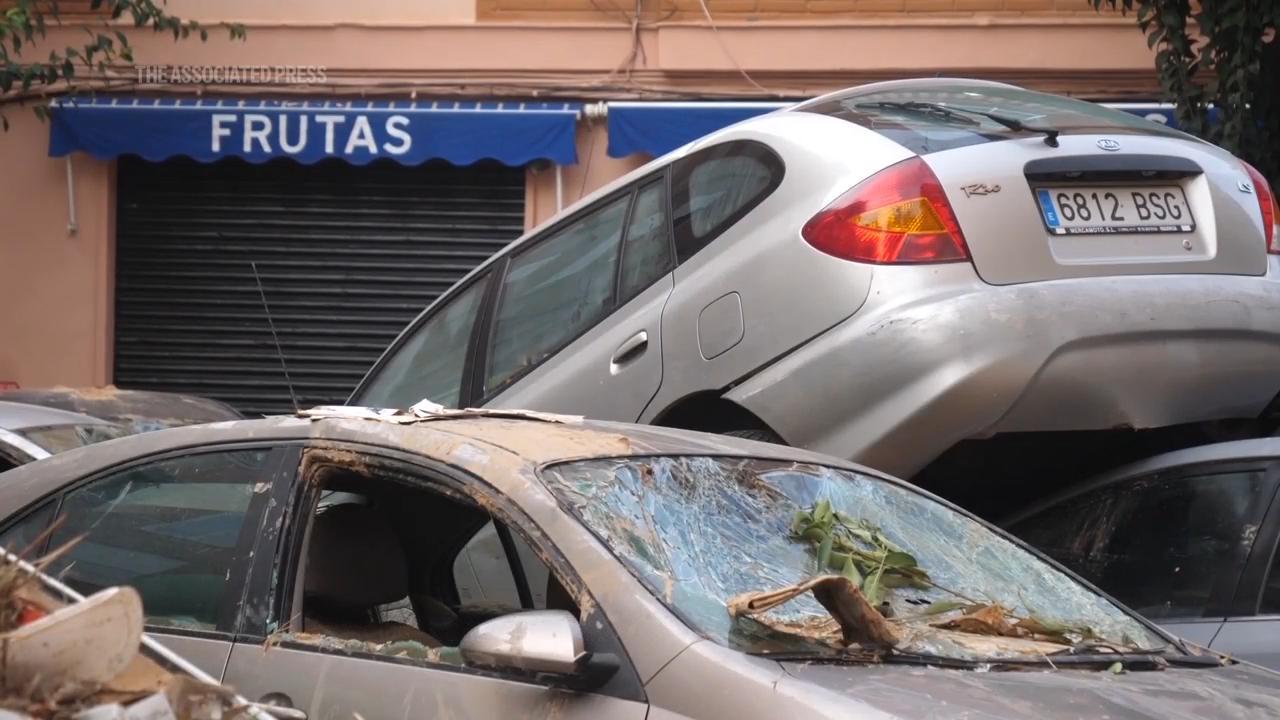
(860, 622)
(64, 656)
(871, 565)
(394, 648)
(425, 410)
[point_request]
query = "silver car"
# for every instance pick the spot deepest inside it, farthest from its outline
(880, 274)
(652, 573)
(32, 432)
(1190, 539)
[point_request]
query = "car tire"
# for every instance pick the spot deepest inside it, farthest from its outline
(757, 434)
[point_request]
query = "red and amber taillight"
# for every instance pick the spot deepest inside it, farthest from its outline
(1266, 203)
(897, 216)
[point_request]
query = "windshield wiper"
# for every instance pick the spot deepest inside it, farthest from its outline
(953, 113)
(853, 656)
(1094, 654)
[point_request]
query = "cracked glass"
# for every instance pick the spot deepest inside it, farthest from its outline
(699, 531)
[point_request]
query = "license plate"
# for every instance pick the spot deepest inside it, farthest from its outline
(1110, 209)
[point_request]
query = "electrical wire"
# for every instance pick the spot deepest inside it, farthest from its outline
(724, 47)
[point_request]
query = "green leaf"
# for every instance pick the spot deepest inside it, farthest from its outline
(1116, 668)
(941, 606)
(799, 522)
(899, 559)
(824, 553)
(815, 534)
(850, 572)
(822, 511)
(871, 587)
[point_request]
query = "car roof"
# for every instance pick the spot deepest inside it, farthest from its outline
(1255, 449)
(487, 443)
(20, 416)
(524, 440)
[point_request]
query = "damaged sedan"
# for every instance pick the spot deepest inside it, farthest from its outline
(320, 561)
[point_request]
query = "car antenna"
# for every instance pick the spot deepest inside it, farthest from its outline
(271, 323)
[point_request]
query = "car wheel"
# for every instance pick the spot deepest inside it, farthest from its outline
(757, 434)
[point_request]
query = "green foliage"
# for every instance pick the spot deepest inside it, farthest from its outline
(856, 549)
(1231, 62)
(25, 23)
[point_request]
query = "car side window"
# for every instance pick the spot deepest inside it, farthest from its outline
(430, 363)
(482, 571)
(646, 251)
(1159, 544)
(180, 531)
(23, 534)
(716, 187)
(554, 291)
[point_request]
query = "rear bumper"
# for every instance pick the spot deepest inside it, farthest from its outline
(936, 356)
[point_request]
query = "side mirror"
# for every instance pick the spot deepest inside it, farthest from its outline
(538, 642)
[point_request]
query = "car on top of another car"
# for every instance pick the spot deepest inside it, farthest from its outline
(886, 273)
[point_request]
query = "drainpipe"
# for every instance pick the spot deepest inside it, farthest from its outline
(72, 226)
(559, 189)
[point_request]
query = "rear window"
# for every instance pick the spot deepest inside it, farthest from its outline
(928, 118)
(61, 438)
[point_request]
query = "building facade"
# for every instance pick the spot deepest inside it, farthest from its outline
(334, 172)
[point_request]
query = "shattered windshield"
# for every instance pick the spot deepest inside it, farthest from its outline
(712, 536)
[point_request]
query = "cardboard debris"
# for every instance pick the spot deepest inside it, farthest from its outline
(860, 623)
(426, 410)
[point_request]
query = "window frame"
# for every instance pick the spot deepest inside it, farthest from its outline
(275, 571)
(479, 394)
(1247, 600)
(230, 615)
(687, 246)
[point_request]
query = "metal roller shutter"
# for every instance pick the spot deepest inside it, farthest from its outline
(348, 255)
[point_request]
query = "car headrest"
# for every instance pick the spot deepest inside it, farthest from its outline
(355, 560)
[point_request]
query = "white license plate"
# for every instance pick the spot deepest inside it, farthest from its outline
(1107, 209)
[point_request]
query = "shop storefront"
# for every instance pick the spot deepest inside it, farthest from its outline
(352, 216)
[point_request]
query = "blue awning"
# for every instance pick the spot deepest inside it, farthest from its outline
(657, 128)
(357, 131)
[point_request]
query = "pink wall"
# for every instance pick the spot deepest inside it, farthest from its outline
(55, 287)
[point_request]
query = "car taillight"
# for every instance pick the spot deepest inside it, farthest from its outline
(1267, 203)
(897, 216)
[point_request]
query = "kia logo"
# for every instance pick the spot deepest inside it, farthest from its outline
(1109, 145)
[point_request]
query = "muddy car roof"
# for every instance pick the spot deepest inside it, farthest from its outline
(534, 441)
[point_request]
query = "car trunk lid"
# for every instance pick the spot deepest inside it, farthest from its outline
(1099, 205)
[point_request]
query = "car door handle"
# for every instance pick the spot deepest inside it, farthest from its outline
(629, 350)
